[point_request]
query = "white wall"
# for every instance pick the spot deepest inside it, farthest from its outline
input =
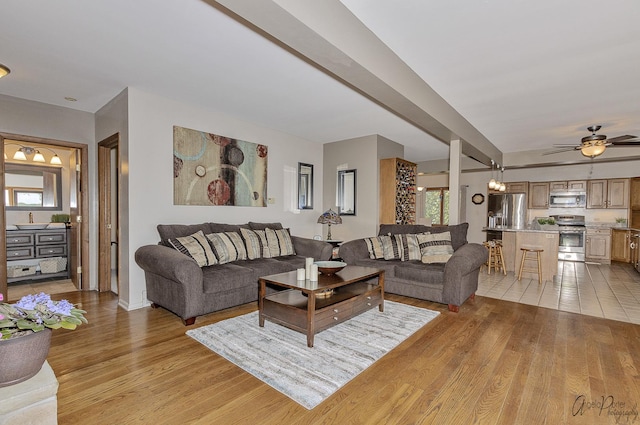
(477, 181)
(150, 171)
(362, 154)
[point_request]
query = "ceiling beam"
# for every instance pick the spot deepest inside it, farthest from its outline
(326, 34)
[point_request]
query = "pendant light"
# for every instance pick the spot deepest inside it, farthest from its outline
(502, 187)
(492, 182)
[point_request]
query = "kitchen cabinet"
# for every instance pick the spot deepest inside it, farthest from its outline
(620, 245)
(611, 193)
(397, 191)
(513, 187)
(634, 202)
(568, 186)
(598, 245)
(539, 195)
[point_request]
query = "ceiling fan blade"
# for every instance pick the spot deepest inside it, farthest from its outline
(567, 149)
(615, 140)
(627, 143)
(567, 145)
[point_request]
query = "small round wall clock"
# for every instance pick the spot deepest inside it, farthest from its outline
(477, 199)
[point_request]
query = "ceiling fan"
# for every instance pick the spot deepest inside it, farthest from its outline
(595, 144)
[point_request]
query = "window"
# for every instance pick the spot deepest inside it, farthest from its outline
(436, 205)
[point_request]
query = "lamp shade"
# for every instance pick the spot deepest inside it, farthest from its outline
(38, 157)
(330, 217)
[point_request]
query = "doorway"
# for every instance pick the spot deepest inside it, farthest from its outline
(108, 215)
(78, 206)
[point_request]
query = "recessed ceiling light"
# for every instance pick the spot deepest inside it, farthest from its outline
(71, 99)
(4, 70)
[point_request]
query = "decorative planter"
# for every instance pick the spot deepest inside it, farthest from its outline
(22, 358)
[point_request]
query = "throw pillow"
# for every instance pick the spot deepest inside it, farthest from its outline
(196, 247)
(374, 246)
(411, 247)
(436, 247)
(228, 246)
(256, 243)
(279, 242)
(392, 247)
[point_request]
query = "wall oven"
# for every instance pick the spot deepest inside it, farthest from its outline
(572, 235)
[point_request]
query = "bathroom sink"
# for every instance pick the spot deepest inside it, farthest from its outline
(32, 226)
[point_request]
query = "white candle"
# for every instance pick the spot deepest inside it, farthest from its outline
(314, 273)
(308, 262)
(300, 274)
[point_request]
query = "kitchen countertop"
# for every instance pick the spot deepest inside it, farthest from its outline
(511, 229)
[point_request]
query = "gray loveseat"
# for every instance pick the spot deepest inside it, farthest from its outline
(176, 282)
(448, 283)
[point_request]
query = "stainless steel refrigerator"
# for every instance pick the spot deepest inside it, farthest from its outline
(511, 207)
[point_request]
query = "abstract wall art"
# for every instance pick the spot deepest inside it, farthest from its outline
(209, 169)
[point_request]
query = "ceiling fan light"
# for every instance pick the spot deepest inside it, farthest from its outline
(592, 150)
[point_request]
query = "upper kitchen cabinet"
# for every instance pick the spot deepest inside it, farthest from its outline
(517, 187)
(612, 193)
(634, 188)
(569, 186)
(539, 195)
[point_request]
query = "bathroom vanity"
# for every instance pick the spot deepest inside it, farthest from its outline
(30, 247)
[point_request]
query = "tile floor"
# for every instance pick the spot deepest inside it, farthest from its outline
(609, 291)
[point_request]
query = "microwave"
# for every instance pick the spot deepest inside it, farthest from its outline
(568, 200)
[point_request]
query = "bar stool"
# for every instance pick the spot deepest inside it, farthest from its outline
(496, 258)
(531, 250)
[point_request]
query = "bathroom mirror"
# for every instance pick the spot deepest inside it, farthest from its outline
(305, 186)
(347, 192)
(32, 187)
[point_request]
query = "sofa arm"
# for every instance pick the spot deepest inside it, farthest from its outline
(466, 259)
(170, 264)
(319, 250)
(353, 250)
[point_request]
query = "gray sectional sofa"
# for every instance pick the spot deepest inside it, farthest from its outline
(449, 283)
(176, 282)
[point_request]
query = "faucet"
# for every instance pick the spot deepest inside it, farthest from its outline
(30, 217)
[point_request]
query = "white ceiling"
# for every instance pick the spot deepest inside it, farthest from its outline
(525, 74)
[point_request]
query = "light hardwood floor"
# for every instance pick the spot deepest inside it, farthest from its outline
(494, 362)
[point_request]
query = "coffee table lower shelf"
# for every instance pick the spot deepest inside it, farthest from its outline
(290, 308)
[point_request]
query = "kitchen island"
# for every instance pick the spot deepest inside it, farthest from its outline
(514, 239)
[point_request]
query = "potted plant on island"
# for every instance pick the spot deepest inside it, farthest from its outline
(25, 333)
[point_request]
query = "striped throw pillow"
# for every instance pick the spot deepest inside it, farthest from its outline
(374, 246)
(279, 242)
(436, 247)
(256, 243)
(392, 247)
(228, 246)
(196, 247)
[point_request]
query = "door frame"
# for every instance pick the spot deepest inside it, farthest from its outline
(83, 191)
(104, 211)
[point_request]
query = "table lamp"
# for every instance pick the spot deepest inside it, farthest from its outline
(329, 217)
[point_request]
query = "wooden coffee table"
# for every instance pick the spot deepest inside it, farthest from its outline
(305, 308)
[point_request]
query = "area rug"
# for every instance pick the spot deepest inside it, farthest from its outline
(280, 357)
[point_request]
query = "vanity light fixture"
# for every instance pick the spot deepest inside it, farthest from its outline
(21, 154)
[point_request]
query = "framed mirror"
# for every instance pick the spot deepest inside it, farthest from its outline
(32, 187)
(347, 192)
(305, 186)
